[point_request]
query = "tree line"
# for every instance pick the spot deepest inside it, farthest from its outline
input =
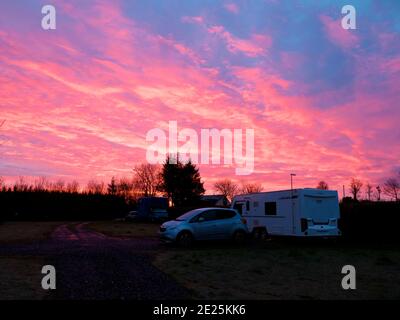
(390, 188)
(181, 183)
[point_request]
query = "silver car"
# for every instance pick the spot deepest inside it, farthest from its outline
(205, 224)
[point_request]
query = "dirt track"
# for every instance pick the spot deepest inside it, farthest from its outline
(90, 265)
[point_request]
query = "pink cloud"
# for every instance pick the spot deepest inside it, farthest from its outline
(196, 19)
(257, 45)
(345, 39)
(232, 7)
(72, 113)
(391, 65)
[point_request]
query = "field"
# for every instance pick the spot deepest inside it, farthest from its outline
(277, 270)
(21, 231)
(20, 278)
(23, 271)
(125, 229)
(25, 232)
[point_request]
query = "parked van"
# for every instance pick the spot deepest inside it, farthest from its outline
(297, 212)
(149, 209)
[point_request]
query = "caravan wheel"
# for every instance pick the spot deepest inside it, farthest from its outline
(260, 234)
(263, 234)
(256, 234)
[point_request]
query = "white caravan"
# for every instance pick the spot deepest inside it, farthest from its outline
(297, 212)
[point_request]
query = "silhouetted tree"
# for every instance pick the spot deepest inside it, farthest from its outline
(21, 185)
(322, 185)
(391, 188)
(59, 185)
(95, 187)
(227, 188)
(355, 187)
(192, 186)
(251, 188)
(72, 187)
(145, 179)
(181, 182)
(368, 189)
(124, 188)
(40, 201)
(41, 184)
(169, 176)
(112, 187)
(378, 191)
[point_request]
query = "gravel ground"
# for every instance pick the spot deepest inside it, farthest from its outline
(92, 266)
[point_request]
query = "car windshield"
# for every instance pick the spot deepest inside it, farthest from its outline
(188, 215)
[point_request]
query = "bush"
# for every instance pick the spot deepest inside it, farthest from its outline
(366, 220)
(50, 205)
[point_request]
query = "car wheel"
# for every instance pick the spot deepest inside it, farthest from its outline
(239, 237)
(184, 239)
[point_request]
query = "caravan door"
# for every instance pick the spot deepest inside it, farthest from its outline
(282, 224)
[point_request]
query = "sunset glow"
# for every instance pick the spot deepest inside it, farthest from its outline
(78, 101)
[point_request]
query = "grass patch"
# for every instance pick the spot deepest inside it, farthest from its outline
(125, 229)
(21, 231)
(20, 278)
(282, 271)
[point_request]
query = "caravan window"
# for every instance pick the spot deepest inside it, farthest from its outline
(247, 205)
(270, 208)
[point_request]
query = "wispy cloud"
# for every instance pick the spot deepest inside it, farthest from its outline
(79, 101)
(232, 7)
(343, 38)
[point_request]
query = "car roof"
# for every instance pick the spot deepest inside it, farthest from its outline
(201, 210)
(216, 208)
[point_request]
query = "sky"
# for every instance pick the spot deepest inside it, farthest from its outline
(78, 101)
